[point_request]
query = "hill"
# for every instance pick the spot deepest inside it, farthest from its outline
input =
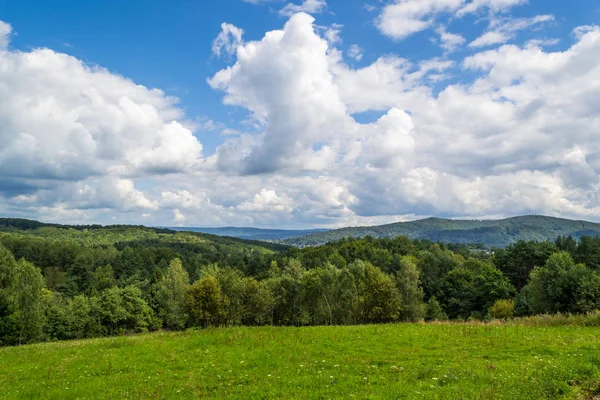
(132, 235)
(491, 233)
(254, 233)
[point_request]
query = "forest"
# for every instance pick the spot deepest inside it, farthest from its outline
(67, 282)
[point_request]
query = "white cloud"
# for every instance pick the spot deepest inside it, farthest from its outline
(466, 151)
(506, 30)
(494, 6)
(228, 40)
(405, 17)
(450, 42)
(178, 217)
(284, 80)
(82, 144)
(331, 33)
(355, 52)
(268, 201)
(64, 120)
(307, 6)
(5, 31)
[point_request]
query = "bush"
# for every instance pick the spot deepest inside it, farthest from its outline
(502, 309)
(434, 312)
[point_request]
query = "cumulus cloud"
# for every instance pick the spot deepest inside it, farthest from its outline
(403, 18)
(494, 6)
(284, 80)
(355, 52)
(465, 151)
(448, 41)
(502, 32)
(307, 6)
(178, 217)
(64, 120)
(268, 201)
(83, 144)
(5, 31)
(228, 40)
(78, 136)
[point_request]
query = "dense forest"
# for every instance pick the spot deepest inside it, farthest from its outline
(492, 233)
(59, 282)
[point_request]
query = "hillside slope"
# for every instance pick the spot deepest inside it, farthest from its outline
(254, 233)
(98, 235)
(493, 233)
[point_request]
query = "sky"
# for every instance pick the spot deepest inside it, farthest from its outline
(298, 113)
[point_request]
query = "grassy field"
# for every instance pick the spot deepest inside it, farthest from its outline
(366, 362)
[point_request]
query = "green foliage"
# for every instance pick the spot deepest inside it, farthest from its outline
(29, 302)
(103, 278)
(258, 303)
(381, 300)
(170, 296)
(205, 302)
(519, 259)
(116, 280)
(232, 288)
(473, 288)
(433, 311)
(492, 233)
(407, 280)
(123, 310)
(561, 286)
(502, 309)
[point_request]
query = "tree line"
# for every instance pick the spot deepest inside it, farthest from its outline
(59, 289)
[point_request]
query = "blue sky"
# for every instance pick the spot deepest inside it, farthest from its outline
(371, 116)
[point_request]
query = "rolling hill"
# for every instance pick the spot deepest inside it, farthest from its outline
(492, 233)
(254, 233)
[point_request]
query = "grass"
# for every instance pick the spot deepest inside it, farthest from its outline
(435, 361)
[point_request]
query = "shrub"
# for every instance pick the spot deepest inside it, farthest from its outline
(502, 309)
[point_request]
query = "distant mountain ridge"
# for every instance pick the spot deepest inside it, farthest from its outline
(254, 233)
(492, 233)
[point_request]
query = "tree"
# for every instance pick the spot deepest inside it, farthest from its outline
(433, 311)
(230, 281)
(171, 293)
(489, 285)
(519, 259)
(563, 286)
(29, 299)
(382, 302)
(588, 252)
(470, 290)
(457, 293)
(407, 280)
(204, 302)
(258, 303)
(103, 278)
(502, 309)
(54, 277)
(286, 287)
(9, 327)
(123, 310)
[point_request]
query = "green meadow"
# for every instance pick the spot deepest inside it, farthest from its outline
(403, 361)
